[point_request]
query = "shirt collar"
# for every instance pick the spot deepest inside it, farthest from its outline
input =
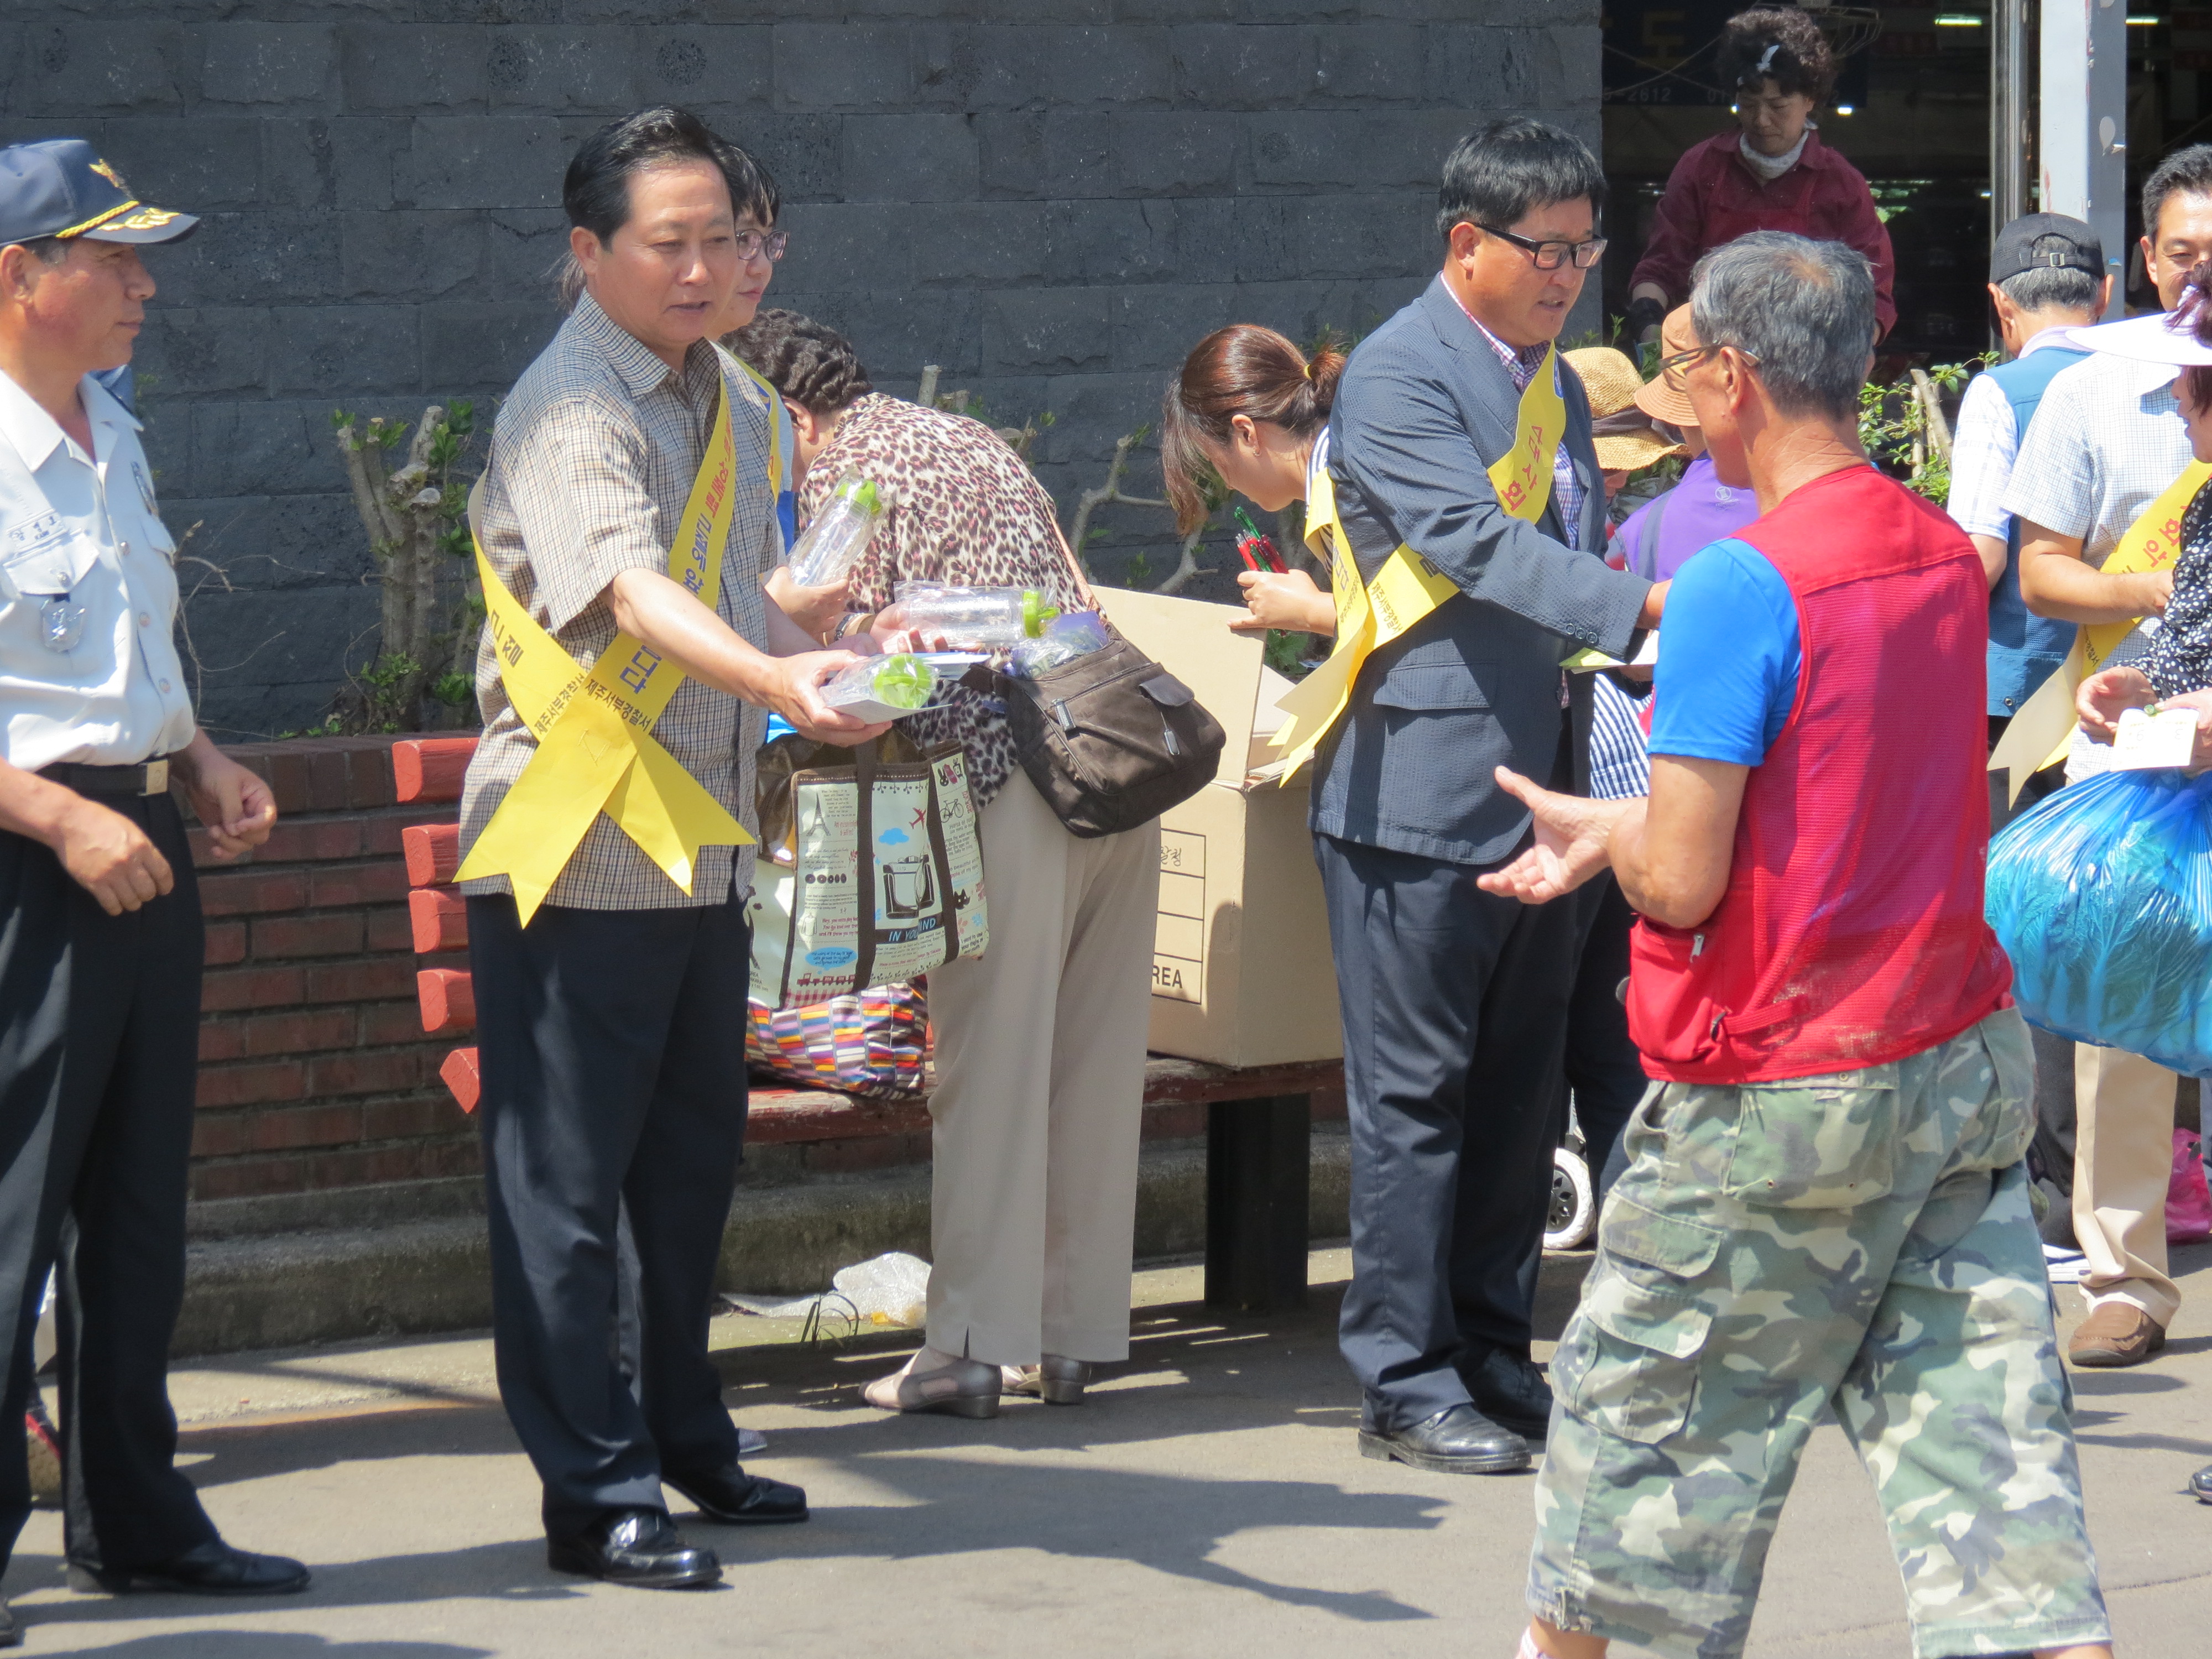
(1522, 362)
(640, 370)
(35, 434)
(2053, 336)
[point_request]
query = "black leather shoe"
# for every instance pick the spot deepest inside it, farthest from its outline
(738, 1499)
(635, 1546)
(1458, 1441)
(1508, 1390)
(214, 1568)
(11, 1633)
(2200, 1484)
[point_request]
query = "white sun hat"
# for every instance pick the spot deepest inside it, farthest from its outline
(2165, 336)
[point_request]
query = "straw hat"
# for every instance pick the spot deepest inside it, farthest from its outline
(1667, 399)
(1624, 439)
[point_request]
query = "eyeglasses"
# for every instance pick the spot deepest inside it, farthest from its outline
(1679, 362)
(751, 244)
(1550, 256)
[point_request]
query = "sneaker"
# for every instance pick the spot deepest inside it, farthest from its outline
(2064, 1266)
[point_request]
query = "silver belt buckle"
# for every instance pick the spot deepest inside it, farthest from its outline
(157, 778)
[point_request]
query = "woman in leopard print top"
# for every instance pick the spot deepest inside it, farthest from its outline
(1040, 1043)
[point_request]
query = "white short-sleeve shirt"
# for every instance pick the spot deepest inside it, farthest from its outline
(82, 538)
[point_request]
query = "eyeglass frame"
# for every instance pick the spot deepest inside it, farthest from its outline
(1535, 249)
(1679, 362)
(772, 243)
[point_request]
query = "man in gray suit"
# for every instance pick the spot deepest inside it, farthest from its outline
(1454, 1001)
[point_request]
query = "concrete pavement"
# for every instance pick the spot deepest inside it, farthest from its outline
(1207, 1501)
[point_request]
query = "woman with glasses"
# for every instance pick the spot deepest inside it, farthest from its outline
(1770, 172)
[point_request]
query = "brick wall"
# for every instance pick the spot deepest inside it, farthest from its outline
(1052, 198)
(314, 1073)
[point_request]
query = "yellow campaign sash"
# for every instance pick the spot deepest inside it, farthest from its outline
(2042, 731)
(1369, 616)
(595, 748)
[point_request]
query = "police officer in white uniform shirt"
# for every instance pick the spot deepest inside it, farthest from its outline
(100, 938)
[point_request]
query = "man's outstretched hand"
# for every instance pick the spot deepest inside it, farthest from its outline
(1572, 843)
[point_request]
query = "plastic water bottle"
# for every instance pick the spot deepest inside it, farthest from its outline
(838, 535)
(1077, 633)
(883, 688)
(973, 618)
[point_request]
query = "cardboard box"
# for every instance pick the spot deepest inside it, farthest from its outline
(1240, 969)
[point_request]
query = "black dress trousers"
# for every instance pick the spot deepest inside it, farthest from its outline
(611, 1044)
(98, 1055)
(1454, 1020)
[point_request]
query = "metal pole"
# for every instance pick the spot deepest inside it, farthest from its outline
(2012, 135)
(2084, 120)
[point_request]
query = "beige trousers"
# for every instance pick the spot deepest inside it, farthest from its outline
(2123, 1163)
(1039, 1093)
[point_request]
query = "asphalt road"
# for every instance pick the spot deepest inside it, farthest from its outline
(1207, 1501)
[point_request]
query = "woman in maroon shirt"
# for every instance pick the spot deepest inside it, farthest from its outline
(1769, 173)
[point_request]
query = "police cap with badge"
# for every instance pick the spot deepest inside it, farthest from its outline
(60, 188)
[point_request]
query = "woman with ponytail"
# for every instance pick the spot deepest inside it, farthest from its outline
(1251, 408)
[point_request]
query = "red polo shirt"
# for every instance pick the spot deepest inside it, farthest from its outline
(1712, 198)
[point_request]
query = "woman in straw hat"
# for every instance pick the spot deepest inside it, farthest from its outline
(1620, 431)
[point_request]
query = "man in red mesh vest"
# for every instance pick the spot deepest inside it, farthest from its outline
(1825, 1204)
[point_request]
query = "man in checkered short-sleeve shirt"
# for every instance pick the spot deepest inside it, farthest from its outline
(610, 1028)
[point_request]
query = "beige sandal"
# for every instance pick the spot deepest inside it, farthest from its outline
(966, 1388)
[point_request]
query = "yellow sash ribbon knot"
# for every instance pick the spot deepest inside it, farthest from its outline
(596, 752)
(1370, 615)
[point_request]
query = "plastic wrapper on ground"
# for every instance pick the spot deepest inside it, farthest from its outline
(2102, 897)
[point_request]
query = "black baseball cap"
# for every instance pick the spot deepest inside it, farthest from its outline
(60, 187)
(2045, 241)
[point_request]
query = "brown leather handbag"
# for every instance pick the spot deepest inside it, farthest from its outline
(1111, 740)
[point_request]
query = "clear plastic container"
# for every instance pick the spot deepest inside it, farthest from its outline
(839, 533)
(883, 688)
(1077, 633)
(973, 618)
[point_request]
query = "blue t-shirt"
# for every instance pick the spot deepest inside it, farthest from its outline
(1728, 657)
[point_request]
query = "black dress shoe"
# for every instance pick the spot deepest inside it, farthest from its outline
(11, 1633)
(214, 1568)
(1508, 1388)
(738, 1499)
(1458, 1441)
(635, 1546)
(2200, 1484)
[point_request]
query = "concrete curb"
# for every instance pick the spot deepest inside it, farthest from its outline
(389, 1275)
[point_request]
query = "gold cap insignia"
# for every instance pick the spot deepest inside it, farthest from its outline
(145, 219)
(111, 175)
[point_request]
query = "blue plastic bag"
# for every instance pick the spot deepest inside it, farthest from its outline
(2102, 897)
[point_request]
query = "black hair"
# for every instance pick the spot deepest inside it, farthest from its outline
(808, 364)
(1779, 43)
(752, 188)
(596, 190)
(2185, 172)
(50, 250)
(1495, 176)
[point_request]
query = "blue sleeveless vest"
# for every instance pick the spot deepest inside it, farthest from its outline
(2025, 649)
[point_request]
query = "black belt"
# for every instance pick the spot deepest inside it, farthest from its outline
(147, 778)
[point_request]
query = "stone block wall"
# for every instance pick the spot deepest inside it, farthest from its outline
(1053, 199)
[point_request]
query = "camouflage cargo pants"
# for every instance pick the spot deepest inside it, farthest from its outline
(1860, 1240)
